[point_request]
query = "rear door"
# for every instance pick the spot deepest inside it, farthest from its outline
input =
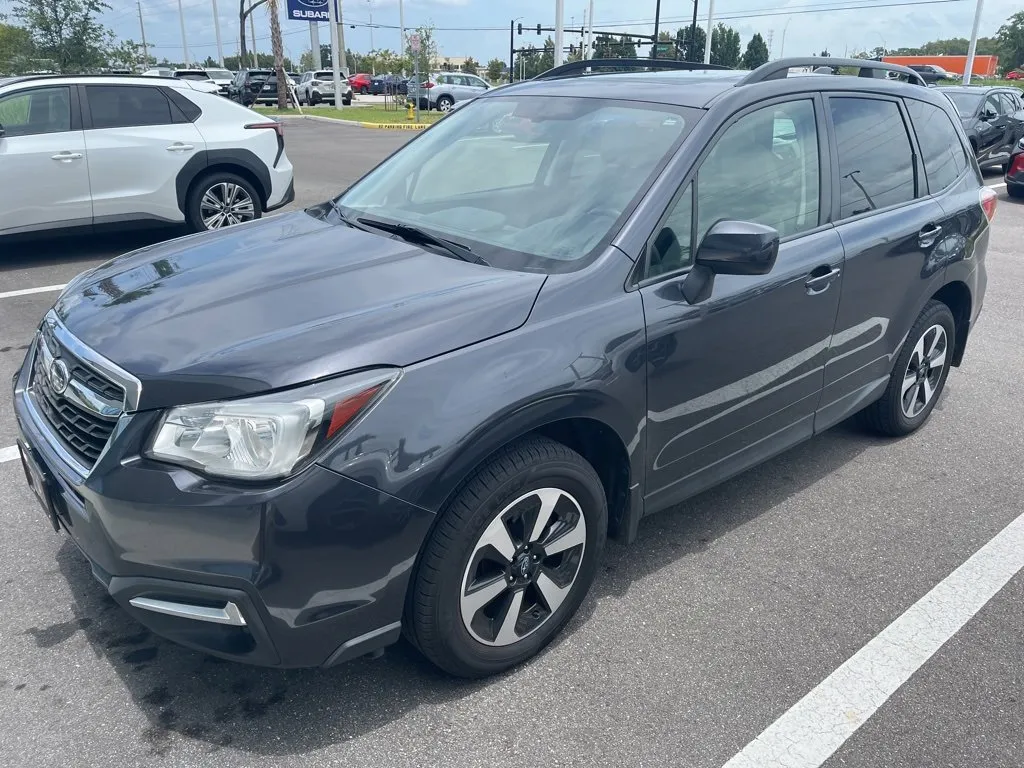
(890, 229)
(44, 178)
(137, 143)
(1010, 106)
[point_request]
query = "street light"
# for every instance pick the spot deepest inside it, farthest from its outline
(782, 45)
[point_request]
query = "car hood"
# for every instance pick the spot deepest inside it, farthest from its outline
(282, 301)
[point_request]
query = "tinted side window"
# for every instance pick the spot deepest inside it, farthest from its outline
(40, 110)
(876, 160)
(941, 150)
(992, 105)
(1008, 107)
(764, 168)
(122, 106)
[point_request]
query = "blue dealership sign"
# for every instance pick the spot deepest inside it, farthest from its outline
(308, 10)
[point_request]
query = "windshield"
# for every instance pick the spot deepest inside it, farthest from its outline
(191, 76)
(527, 182)
(219, 74)
(966, 103)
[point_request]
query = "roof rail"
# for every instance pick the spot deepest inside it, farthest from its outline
(577, 68)
(779, 69)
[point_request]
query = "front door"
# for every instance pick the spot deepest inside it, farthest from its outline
(737, 377)
(137, 143)
(42, 161)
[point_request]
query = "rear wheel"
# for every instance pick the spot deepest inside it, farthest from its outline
(510, 560)
(364, 90)
(445, 103)
(918, 376)
(220, 200)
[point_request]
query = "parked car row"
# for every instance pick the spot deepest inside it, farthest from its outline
(992, 117)
(76, 143)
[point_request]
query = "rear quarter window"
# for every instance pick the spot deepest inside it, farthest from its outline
(941, 149)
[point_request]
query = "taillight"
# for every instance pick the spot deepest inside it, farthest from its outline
(428, 84)
(1017, 166)
(988, 202)
(273, 126)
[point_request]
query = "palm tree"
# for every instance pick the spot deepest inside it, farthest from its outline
(278, 49)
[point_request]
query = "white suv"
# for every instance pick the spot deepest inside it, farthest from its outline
(315, 87)
(81, 150)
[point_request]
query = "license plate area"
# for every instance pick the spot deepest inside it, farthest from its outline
(38, 481)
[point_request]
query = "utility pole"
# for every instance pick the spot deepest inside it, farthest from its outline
(969, 69)
(314, 44)
(401, 27)
(216, 27)
(707, 44)
(142, 28)
(693, 36)
(657, 21)
(511, 51)
(184, 40)
(335, 24)
(559, 31)
(590, 31)
(370, 3)
(252, 34)
(342, 56)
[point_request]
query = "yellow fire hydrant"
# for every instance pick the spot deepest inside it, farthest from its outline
(410, 114)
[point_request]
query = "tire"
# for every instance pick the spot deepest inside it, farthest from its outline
(364, 90)
(198, 211)
(346, 101)
(501, 501)
(904, 407)
(445, 103)
(315, 99)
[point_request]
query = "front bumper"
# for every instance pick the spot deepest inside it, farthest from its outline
(317, 566)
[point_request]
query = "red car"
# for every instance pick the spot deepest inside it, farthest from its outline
(1015, 75)
(360, 83)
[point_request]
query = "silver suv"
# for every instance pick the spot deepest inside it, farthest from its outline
(442, 90)
(318, 86)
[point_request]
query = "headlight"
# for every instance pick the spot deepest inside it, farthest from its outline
(269, 436)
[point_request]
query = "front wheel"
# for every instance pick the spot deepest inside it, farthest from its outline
(510, 560)
(918, 376)
(221, 200)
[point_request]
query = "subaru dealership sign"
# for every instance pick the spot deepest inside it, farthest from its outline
(308, 10)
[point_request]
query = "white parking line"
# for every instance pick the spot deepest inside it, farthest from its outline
(817, 725)
(27, 291)
(996, 186)
(9, 453)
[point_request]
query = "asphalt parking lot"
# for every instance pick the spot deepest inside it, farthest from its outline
(724, 615)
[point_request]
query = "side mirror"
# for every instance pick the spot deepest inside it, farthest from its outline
(739, 248)
(988, 115)
(730, 248)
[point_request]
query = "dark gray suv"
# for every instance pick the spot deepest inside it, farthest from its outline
(421, 406)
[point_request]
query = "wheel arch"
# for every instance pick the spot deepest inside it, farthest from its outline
(559, 419)
(957, 296)
(241, 162)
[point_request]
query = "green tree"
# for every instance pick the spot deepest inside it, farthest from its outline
(756, 53)
(129, 55)
(67, 31)
(725, 46)
(494, 69)
(427, 56)
(472, 66)
(1011, 41)
(532, 61)
(15, 48)
(691, 48)
(614, 47)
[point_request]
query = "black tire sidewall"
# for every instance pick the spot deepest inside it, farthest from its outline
(934, 313)
(193, 216)
(471, 657)
(445, 100)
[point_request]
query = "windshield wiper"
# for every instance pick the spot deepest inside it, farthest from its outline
(412, 234)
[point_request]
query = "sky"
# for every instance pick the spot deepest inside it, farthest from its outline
(803, 27)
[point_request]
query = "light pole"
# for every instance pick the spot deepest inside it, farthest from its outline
(969, 69)
(559, 30)
(184, 40)
(707, 44)
(657, 21)
(370, 3)
(401, 28)
(216, 28)
(782, 45)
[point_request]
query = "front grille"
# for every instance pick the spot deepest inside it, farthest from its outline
(82, 431)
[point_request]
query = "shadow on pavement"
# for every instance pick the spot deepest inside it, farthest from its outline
(85, 245)
(286, 712)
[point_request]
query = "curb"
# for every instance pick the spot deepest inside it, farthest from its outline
(383, 126)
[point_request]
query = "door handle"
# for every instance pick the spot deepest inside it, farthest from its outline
(820, 279)
(926, 237)
(67, 157)
(179, 147)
